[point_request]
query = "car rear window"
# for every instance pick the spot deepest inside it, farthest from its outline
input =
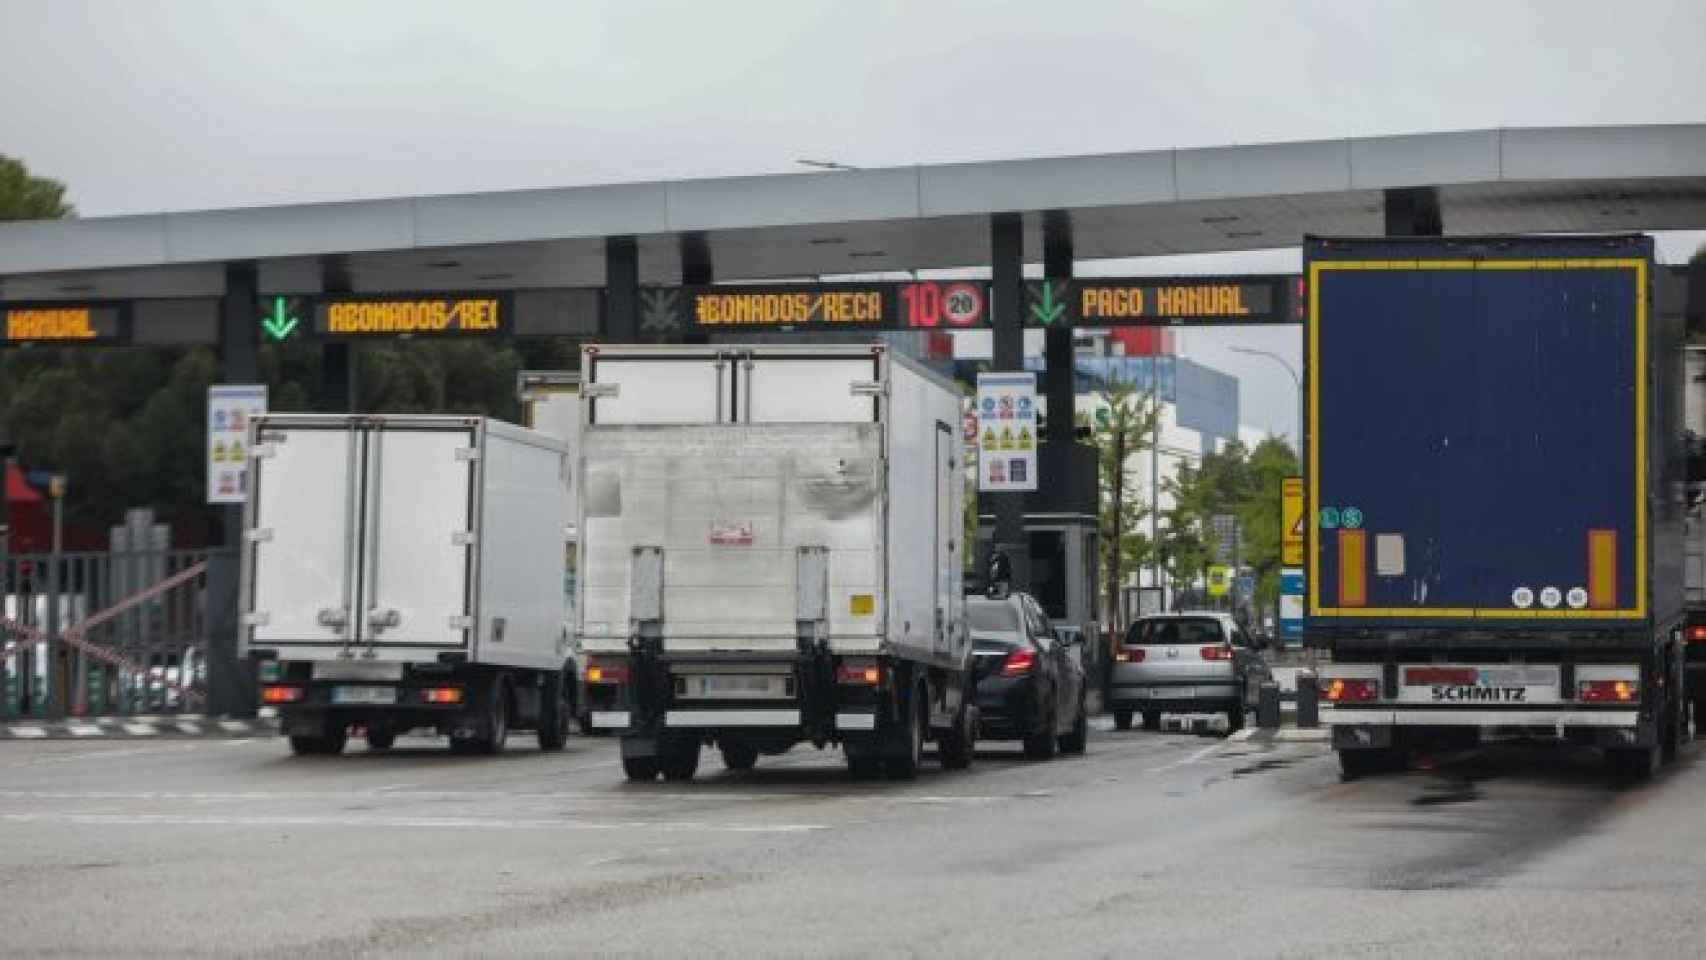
(1168, 632)
(993, 617)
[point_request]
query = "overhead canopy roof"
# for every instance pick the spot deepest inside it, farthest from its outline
(1584, 179)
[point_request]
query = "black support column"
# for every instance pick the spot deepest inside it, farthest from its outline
(1007, 296)
(621, 289)
(1413, 212)
(340, 367)
(696, 270)
(1058, 379)
(230, 680)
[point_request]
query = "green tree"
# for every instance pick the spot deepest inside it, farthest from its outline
(1123, 428)
(26, 197)
(1238, 482)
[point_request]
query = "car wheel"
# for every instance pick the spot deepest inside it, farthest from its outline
(1122, 719)
(1079, 738)
(1041, 744)
(1151, 719)
(739, 755)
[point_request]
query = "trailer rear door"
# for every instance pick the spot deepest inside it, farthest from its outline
(302, 516)
(419, 536)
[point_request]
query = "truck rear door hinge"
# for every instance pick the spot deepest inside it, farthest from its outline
(467, 454)
(464, 538)
(255, 618)
(258, 535)
(461, 623)
(262, 451)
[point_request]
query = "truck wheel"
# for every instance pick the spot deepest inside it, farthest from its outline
(1122, 719)
(1151, 719)
(379, 738)
(863, 768)
(492, 742)
(640, 769)
(905, 766)
(1635, 764)
(306, 746)
(957, 746)
(554, 713)
(681, 762)
(1356, 764)
(738, 755)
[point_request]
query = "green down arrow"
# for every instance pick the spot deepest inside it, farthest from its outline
(1046, 310)
(280, 324)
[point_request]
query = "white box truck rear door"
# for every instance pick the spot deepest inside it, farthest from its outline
(419, 536)
(302, 535)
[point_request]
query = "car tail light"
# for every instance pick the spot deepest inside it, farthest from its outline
(1217, 652)
(1607, 691)
(1129, 655)
(1342, 690)
(1019, 663)
(607, 671)
(442, 695)
(1697, 633)
(283, 694)
(860, 672)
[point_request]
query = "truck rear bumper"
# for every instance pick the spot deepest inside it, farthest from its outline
(1398, 717)
(702, 719)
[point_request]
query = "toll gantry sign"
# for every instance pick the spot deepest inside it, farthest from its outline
(65, 324)
(387, 315)
(670, 311)
(1156, 301)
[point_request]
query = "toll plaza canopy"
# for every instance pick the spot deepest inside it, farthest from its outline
(1586, 179)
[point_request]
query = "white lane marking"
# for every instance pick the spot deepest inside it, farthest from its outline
(485, 796)
(189, 728)
(235, 726)
(1193, 758)
(1243, 735)
(28, 732)
(84, 729)
(459, 823)
(1303, 735)
(140, 729)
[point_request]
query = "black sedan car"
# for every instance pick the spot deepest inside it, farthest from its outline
(1030, 681)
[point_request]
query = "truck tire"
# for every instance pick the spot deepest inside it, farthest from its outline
(1076, 740)
(380, 738)
(1635, 764)
(957, 746)
(863, 767)
(739, 755)
(1122, 719)
(640, 769)
(905, 765)
(555, 712)
(1356, 764)
(1151, 719)
(681, 761)
(307, 746)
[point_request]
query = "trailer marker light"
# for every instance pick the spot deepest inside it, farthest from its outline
(865, 673)
(1607, 691)
(606, 671)
(285, 694)
(1342, 690)
(1697, 634)
(442, 695)
(862, 604)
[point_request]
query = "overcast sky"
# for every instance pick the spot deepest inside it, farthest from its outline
(148, 105)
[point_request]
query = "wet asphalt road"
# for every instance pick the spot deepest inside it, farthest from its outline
(1160, 844)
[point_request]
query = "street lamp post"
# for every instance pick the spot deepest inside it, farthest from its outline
(1295, 379)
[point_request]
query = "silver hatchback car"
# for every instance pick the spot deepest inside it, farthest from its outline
(1185, 663)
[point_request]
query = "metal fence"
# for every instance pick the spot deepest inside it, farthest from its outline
(105, 633)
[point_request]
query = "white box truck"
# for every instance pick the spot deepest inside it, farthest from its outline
(770, 542)
(406, 572)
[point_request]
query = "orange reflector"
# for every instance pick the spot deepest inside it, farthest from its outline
(281, 694)
(442, 695)
(1607, 691)
(1602, 569)
(1353, 568)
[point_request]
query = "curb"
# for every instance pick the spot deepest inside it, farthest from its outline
(1282, 735)
(183, 726)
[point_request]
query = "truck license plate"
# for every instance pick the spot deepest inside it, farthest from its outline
(736, 686)
(364, 695)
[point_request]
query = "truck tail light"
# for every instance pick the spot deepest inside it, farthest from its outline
(859, 672)
(1019, 663)
(1607, 691)
(607, 671)
(282, 694)
(1697, 633)
(1343, 690)
(1218, 651)
(1128, 655)
(1442, 676)
(442, 695)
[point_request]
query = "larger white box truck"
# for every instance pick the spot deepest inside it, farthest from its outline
(406, 572)
(771, 542)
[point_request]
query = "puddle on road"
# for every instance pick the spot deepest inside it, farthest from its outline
(1452, 791)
